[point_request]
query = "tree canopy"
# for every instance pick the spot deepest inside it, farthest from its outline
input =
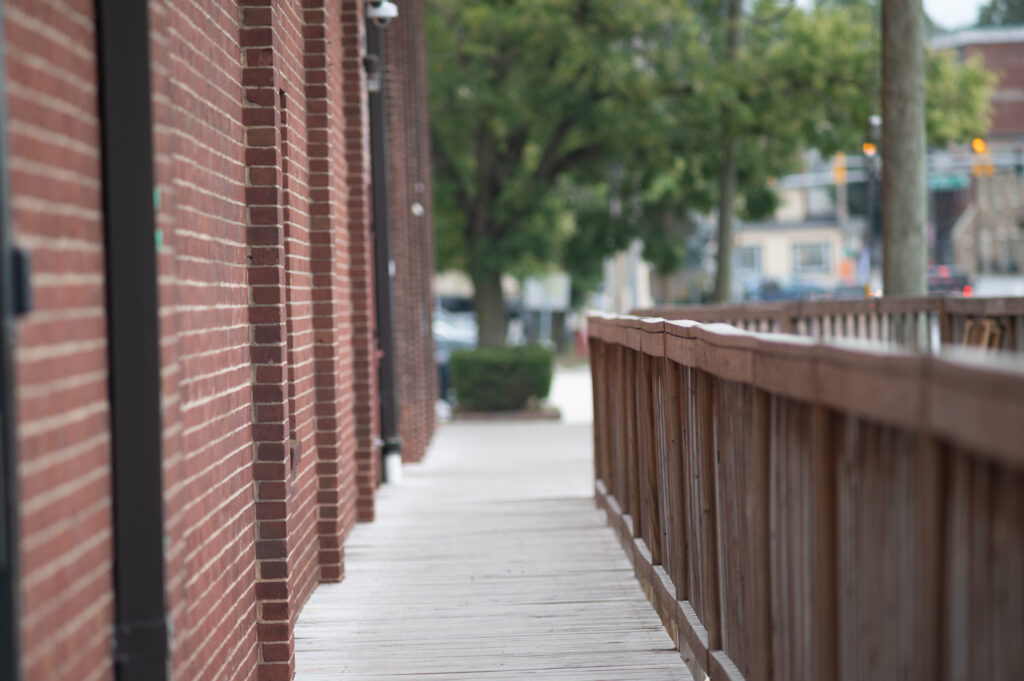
(1002, 13)
(562, 129)
(524, 94)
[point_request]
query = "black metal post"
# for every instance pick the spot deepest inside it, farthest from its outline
(10, 635)
(874, 224)
(383, 263)
(133, 326)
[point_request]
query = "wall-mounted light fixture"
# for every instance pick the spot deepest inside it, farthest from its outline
(374, 77)
(381, 12)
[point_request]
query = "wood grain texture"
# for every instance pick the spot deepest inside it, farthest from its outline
(831, 511)
(489, 562)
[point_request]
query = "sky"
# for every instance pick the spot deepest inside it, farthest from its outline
(953, 13)
(946, 13)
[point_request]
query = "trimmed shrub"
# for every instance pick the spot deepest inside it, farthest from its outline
(500, 379)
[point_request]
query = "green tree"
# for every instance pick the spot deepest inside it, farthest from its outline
(1002, 13)
(562, 129)
(526, 94)
(787, 80)
(957, 95)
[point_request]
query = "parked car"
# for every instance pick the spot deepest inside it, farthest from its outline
(454, 328)
(945, 280)
(769, 290)
(850, 292)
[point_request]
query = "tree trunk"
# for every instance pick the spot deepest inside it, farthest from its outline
(904, 197)
(727, 171)
(489, 301)
(726, 204)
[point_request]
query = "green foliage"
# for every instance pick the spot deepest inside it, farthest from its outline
(524, 93)
(563, 129)
(501, 378)
(957, 94)
(1002, 13)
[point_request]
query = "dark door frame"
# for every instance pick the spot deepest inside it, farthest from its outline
(10, 634)
(383, 262)
(141, 630)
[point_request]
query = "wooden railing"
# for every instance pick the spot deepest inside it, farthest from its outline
(925, 323)
(801, 511)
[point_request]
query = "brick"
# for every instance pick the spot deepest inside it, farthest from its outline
(266, 285)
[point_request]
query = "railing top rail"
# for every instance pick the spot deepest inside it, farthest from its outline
(717, 311)
(809, 308)
(970, 398)
(985, 306)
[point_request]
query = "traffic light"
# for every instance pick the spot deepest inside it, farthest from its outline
(839, 168)
(869, 149)
(983, 164)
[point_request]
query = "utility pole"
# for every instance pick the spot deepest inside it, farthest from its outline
(727, 171)
(904, 197)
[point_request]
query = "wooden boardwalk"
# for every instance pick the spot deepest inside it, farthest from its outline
(489, 562)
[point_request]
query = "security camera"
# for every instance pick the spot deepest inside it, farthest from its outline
(381, 11)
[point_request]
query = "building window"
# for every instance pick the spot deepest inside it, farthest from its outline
(811, 258)
(748, 259)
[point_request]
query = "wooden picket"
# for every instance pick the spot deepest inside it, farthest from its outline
(802, 511)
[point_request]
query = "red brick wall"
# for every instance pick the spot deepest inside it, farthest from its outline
(357, 180)
(412, 243)
(269, 403)
(204, 297)
(331, 285)
(1006, 60)
(288, 545)
(61, 352)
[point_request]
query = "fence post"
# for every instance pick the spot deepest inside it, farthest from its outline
(760, 583)
(705, 459)
(632, 458)
(945, 324)
(679, 562)
(597, 373)
(824, 574)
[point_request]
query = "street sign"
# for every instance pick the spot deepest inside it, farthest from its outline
(945, 182)
(547, 292)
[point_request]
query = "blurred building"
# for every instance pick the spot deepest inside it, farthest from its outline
(807, 252)
(627, 281)
(986, 227)
(261, 400)
(1001, 50)
(988, 237)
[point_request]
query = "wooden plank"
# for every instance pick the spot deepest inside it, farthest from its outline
(792, 593)
(757, 511)
(710, 606)
(929, 503)
(977, 405)
(823, 561)
(621, 413)
(957, 597)
(647, 462)
(691, 488)
(599, 395)
(693, 632)
(733, 546)
(1006, 585)
(479, 568)
(677, 451)
(666, 484)
(632, 501)
(722, 668)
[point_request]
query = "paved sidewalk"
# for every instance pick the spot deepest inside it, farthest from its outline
(572, 393)
(489, 562)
